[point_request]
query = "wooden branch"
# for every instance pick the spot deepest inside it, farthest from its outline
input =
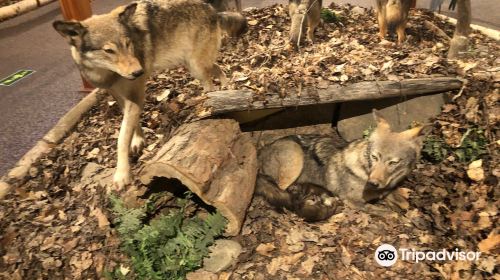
(438, 31)
(215, 161)
(221, 102)
(21, 8)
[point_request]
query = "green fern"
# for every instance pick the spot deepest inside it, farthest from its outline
(169, 246)
(472, 145)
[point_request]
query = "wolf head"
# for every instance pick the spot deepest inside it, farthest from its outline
(392, 155)
(101, 42)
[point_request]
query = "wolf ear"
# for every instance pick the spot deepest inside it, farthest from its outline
(129, 11)
(381, 122)
(69, 28)
(416, 132)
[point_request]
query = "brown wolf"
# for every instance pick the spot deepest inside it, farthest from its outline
(119, 50)
(225, 5)
(304, 14)
(363, 171)
(393, 14)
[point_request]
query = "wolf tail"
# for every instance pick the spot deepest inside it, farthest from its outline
(394, 12)
(266, 188)
(234, 24)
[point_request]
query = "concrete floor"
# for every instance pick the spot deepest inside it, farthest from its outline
(29, 108)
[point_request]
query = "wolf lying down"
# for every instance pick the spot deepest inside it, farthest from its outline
(119, 50)
(303, 173)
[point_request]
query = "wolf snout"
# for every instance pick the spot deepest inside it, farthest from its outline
(374, 184)
(138, 73)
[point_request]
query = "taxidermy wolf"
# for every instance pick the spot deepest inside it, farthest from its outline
(119, 50)
(363, 171)
(393, 14)
(305, 16)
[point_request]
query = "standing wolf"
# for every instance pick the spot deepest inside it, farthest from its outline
(304, 14)
(363, 171)
(119, 50)
(393, 14)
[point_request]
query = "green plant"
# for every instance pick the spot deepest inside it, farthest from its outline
(435, 149)
(170, 245)
(329, 16)
(472, 146)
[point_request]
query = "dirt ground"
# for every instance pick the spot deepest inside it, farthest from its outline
(57, 224)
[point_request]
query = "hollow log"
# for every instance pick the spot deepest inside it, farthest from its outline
(215, 161)
(21, 8)
(229, 101)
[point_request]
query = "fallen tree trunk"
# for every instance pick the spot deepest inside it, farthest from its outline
(21, 8)
(228, 101)
(215, 161)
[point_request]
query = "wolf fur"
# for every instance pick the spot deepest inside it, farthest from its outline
(119, 50)
(363, 171)
(225, 5)
(393, 14)
(305, 14)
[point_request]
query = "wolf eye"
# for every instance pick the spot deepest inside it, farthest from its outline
(108, 50)
(374, 157)
(394, 162)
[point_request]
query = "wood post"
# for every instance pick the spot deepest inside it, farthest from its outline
(77, 10)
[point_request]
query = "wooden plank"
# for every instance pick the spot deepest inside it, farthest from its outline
(221, 102)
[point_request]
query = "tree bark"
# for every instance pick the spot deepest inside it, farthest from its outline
(21, 8)
(459, 42)
(215, 161)
(229, 101)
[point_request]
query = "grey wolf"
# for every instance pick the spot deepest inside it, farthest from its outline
(305, 14)
(225, 5)
(117, 51)
(364, 171)
(393, 14)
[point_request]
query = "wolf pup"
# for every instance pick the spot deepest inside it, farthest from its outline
(304, 14)
(393, 14)
(363, 171)
(119, 50)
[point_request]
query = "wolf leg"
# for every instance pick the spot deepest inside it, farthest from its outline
(137, 143)
(313, 20)
(219, 74)
(382, 25)
(400, 30)
(132, 94)
(278, 198)
(203, 73)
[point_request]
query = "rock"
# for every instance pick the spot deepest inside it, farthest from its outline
(90, 170)
(201, 275)
(358, 10)
(356, 117)
(222, 255)
(475, 170)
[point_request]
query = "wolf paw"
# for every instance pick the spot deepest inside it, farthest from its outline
(137, 144)
(121, 179)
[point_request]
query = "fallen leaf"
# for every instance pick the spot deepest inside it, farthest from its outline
(475, 170)
(265, 248)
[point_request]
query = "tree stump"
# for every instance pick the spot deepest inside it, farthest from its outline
(215, 161)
